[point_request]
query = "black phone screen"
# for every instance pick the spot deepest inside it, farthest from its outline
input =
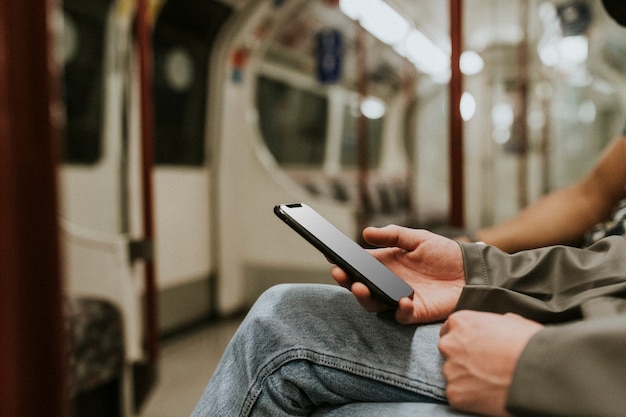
(345, 252)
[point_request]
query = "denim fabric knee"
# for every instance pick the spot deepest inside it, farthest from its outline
(305, 347)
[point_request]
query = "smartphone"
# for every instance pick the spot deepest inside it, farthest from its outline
(359, 264)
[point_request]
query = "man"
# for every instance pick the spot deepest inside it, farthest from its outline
(497, 362)
(312, 350)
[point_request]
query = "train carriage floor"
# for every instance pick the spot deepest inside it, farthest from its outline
(187, 361)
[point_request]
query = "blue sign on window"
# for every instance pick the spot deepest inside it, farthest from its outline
(328, 56)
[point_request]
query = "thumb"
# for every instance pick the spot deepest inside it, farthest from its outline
(395, 236)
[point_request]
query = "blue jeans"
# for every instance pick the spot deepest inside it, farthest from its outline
(313, 350)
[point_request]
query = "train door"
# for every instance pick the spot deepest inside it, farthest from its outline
(184, 34)
(101, 207)
(94, 221)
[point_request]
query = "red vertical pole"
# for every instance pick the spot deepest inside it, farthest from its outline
(522, 158)
(32, 360)
(147, 162)
(457, 182)
(362, 134)
(145, 374)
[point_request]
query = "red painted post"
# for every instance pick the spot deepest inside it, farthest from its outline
(457, 182)
(147, 159)
(32, 352)
(146, 373)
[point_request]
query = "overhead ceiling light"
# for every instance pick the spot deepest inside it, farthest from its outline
(377, 17)
(390, 27)
(426, 56)
(468, 106)
(471, 63)
(384, 22)
(352, 8)
(502, 115)
(373, 108)
(574, 49)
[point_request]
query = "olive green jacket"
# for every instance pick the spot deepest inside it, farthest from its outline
(576, 365)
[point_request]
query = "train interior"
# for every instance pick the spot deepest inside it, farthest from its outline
(186, 121)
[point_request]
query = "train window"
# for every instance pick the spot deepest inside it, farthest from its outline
(293, 123)
(182, 42)
(349, 148)
(84, 23)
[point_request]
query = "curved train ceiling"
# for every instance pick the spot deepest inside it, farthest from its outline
(492, 28)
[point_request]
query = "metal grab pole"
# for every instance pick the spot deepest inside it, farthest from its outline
(457, 182)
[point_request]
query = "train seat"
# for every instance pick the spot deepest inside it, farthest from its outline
(95, 356)
(388, 202)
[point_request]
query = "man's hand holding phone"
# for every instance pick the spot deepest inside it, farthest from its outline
(431, 264)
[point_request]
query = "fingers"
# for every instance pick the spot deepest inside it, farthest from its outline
(340, 276)
(395, 236)
(405, 311)
(364, 296)
(448, 326)
(445, 328)
(382, 236)
(359, 290)
(452, 322)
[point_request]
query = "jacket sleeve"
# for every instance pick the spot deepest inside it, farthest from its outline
(547, 284)
(576, 365)
(576, 369)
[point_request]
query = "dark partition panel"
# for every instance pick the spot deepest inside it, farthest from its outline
(31, 342)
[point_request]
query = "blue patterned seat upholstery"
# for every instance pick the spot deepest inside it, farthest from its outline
(95, 355)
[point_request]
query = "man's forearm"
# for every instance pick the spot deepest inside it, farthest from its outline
(558, 218)
(563, 216)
